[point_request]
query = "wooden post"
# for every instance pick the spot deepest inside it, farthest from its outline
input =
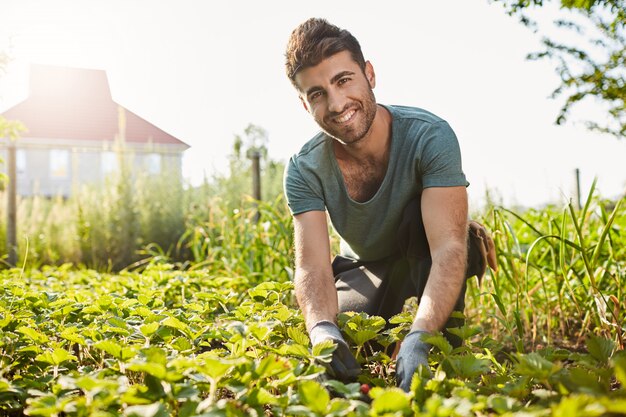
(12, 205)
(255, 156)
(578, 198)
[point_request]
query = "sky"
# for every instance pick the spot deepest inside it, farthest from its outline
(203, 70)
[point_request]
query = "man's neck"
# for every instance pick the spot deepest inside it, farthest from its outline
(374, 145)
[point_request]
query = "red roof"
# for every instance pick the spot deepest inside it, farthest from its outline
(76, 103)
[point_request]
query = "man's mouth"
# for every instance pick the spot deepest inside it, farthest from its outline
(346, 117)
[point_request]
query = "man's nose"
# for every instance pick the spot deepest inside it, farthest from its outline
(336, 102)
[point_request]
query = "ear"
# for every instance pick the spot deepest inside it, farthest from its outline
(369, 74)
(304, 104)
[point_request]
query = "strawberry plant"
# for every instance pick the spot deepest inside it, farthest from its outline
(223, 336)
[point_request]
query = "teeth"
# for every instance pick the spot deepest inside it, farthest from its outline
(345, 118)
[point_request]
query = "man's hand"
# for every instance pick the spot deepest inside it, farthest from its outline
(413, 353)
(343, 365)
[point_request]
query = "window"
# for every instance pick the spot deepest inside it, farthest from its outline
(20, 161)
(108, 162)
(59, 163)
(153, 163)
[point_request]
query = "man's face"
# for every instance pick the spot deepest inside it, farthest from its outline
(339, 96)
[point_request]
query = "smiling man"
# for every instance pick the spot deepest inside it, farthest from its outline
(390, 180)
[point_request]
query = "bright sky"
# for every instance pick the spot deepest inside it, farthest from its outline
(202, 70)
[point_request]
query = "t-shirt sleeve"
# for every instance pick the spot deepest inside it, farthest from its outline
(439, 162)
(300, 196)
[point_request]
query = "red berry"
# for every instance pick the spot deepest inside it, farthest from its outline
(365, 389)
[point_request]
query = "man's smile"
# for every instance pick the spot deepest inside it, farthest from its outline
(346, 117)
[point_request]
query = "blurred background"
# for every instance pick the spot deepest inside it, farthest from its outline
(185, 92)
(202, 71)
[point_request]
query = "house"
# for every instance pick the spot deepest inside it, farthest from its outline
(76, 133)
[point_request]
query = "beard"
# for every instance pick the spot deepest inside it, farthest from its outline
(356, 129)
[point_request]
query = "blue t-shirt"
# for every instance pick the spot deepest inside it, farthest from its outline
(424, 153)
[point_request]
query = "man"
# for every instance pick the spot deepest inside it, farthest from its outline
(391, 181)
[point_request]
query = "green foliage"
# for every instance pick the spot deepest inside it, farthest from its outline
(592, 65)
(137, 218)
(86, 343)
(560, 278)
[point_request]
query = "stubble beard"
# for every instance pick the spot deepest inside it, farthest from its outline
(356, 133)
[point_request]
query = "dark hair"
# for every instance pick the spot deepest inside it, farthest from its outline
(315, 40)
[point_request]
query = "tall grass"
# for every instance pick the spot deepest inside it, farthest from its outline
(102, 227)
(235, 244)
(562, 275)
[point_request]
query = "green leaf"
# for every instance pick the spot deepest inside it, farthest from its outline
(46, 405)
(298, 336)
(117, 322)
(174, 323)
(360, 327)
(60, 355)
(215, 368)
(294, 350)
(469, 366)
(583, 380)
(390, 401)
(465, 332)
(260, 331)
(6, 318)
(535, 366)
(359, 337)
(151, 410)
(260, 396)
(71, 335)
(149, 329)
(181, 344)
(37, 337)
(155, 355)
(615, 406)
(314, 396)
(601, 349)
(578, 406)
(502, 404)
(619, 363)
(122, 353)
(155, 369)
(270, 366)
(324, 349)
(440, 342)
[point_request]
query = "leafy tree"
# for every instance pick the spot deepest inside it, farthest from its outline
(591, 67)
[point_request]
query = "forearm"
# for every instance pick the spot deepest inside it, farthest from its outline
(316, 295)
(442, 288)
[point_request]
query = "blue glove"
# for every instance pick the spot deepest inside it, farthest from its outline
(343, 365)
(413, 353)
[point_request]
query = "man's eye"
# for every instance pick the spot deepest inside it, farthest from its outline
(314, 95)
(343, 80)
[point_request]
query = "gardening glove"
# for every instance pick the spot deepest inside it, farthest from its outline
(483, 241)
(343, 365)
(413, 353)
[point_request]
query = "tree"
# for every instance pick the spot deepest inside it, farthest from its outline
(594, 66)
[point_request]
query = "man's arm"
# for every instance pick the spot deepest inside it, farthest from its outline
(313, 280)
(316, 292)
(444, 212)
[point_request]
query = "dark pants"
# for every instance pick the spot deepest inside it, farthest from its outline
(381, 287)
